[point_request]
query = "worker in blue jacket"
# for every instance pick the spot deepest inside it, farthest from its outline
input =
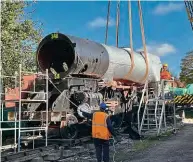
(102, 130)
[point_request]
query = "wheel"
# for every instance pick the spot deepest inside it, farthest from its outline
(70, 130)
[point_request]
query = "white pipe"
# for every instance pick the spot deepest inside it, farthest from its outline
(120, 64)
(20, 89)
(25, 129)
(47, 103)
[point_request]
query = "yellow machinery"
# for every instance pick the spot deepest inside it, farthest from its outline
(182, 100)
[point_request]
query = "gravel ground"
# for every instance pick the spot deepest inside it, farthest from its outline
(174, 148)
(177, 148)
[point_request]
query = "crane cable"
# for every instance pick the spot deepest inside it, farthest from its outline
(144, 44)
(117, 44)
(107, 24)
(131, 40)
(117, 23)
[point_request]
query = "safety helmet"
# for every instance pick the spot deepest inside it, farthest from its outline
(166, 65)
(103, 106)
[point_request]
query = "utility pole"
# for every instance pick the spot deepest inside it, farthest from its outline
(0, 83)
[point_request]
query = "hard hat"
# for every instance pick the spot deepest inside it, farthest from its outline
(165, 65)
(103, 106)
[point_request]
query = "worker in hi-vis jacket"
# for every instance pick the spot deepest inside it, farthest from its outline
(102, 130)
(164, 73)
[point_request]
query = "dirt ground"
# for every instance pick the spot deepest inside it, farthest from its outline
(176, 148)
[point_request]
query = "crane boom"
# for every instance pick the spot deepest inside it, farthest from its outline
(189, 9)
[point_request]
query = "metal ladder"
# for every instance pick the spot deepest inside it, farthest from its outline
(153, 120)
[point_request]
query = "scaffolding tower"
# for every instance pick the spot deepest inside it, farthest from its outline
(18, 113)
(2, 95)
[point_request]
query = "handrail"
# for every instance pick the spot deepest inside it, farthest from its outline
(141, 124)
(161, 117)
(156, 104)
(139, 109)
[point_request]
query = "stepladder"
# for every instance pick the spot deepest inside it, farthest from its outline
(154, 120)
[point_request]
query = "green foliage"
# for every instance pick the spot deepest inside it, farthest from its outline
(19, 37)
(186, 74)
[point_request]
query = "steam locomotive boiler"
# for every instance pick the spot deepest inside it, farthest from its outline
(87, 74)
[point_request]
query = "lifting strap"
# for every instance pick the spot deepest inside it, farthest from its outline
(144, 44)
(131, 40)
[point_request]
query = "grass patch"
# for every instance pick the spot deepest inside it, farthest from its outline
(138, 146)
(141, 145)
(147, 142)
(123, 155)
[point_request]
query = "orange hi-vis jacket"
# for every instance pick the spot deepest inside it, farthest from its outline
(165, 75)
(99, 126)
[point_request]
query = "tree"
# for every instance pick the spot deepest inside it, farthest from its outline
(186, 74)
(19, 37)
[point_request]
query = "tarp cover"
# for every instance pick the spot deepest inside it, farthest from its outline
(189, 88)
(183, 91)
(179, 91)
